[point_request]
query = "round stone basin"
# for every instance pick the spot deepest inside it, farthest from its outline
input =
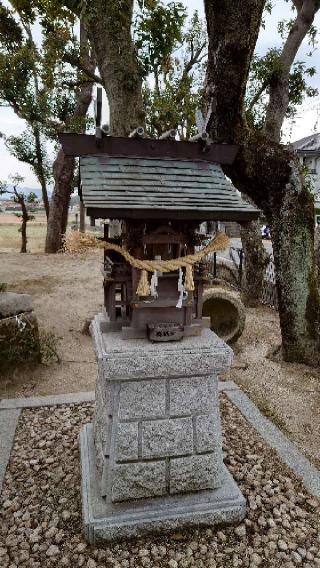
(226, 312)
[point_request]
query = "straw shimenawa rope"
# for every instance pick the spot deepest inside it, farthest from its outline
(80, 242)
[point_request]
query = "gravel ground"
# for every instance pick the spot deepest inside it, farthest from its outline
(40, 519)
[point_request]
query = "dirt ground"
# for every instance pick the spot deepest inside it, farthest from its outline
(67, 292)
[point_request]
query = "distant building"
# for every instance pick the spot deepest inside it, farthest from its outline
(308, 149)
(8, 205)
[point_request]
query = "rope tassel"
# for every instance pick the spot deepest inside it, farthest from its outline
(188, 281)
(143, 288)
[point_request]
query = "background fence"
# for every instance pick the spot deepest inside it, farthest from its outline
(235, 264)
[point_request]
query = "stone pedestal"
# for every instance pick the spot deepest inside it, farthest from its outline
(152, 460)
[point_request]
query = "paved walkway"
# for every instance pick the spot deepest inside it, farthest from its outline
(10, 410)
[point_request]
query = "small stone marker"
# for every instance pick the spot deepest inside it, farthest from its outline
(12, 304)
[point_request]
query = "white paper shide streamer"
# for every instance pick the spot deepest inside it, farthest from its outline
(154, 284)
(181, 289)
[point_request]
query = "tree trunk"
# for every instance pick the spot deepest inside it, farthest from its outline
(317, 252)
(264, 169)
(23, 228)
(82, 227)
(23, 235)
(292, 231)
(255, 263)
(40, 170)
(63, 167)
(109, 30)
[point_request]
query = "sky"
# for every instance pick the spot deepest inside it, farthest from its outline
(269, 37)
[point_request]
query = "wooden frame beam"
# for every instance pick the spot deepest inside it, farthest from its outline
(85, 144)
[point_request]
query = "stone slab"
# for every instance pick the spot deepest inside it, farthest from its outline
(227, 385)
(127, 442)
(111, 522)
(138, 358)
(138, 480)
(51, 400)
(194, 473)
(8, 423)
(192, 395)
(142, 399)
(12, 304)
(207, 433)
(166, 438)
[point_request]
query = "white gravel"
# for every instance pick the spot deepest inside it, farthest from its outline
(40, 518)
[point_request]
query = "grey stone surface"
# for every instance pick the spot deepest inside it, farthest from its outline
(193, 395)
(165, 438)
(74, 398)
(194, 473)
(12, 304)
(164, 400)
(127, 442)
(139, 358)
(208, 437)
(142, 399)
(8, 423)
(51, 400)
(138, 480)
(103, 418)
(105, 521)
(227, 385)
(287, 451)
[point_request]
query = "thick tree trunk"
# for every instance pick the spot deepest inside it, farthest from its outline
(264, 169)
(65, 212)
(63, 168)
(255, 263)
(109, 29)
(289, 209)
(292, 231)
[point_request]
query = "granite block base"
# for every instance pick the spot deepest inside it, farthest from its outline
(105, 520)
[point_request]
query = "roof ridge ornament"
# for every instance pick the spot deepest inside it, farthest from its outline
(137, 132)
(202, 136)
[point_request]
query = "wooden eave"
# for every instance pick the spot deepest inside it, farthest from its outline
(86, 144)
(175, 214)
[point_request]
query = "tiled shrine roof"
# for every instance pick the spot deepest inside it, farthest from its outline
(134, 187)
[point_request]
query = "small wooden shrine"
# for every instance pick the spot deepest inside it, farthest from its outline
(152, 459)
(160, 191)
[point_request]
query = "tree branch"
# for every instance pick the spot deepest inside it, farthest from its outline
(194, 59)
(258, 94)
(76, 62)
(279, 84)
(298, 4)
(79, 83)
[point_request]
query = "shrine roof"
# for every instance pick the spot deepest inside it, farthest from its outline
(136, 187)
